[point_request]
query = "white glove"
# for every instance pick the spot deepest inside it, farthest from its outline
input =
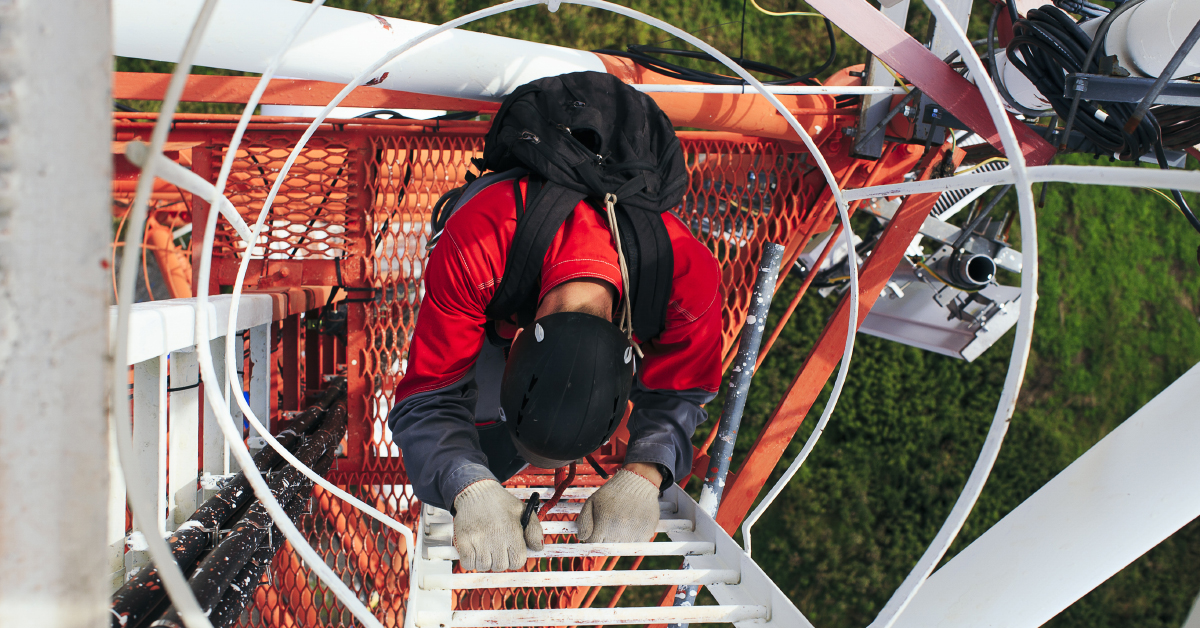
(624, 510)
(487, 528)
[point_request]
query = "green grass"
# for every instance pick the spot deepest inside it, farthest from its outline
(1117, 322)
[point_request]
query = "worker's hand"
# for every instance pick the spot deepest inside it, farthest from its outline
(487, 528)
(624, 510)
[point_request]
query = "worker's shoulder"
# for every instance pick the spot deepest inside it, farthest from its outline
(488, 214)
(693, 260)
(696, 281)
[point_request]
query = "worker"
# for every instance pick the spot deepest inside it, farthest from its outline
(483, 396)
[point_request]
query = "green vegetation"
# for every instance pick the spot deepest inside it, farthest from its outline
(1118, 321)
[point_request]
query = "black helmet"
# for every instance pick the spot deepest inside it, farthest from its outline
(565, 387)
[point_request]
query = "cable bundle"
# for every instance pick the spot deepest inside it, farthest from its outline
(1046, 47)
(1180, 125)
(226, 569)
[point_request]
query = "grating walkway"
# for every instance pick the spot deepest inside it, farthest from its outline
(745, 595)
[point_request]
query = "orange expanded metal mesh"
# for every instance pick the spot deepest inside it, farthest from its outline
(410, 174)
(740, 196)
(355, 211)
(312, 217)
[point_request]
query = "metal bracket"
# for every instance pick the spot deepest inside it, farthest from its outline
(1130, 89)
(214, 482)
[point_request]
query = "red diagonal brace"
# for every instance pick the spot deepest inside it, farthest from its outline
(781, 427)
(914, 62)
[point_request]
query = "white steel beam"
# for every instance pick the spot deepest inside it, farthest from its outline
(166, 326)
(184, 437)
(150, 443)
(215, 449)
(445, 530)
(115, 535)
(337, 44)
(55, 224)
(1127, 494)
(260, 376)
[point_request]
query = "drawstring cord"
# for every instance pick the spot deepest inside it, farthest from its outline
(626, 315)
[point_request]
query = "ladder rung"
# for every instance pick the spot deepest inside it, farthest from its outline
(574, 492)
(573, 508)
(444, 530)
(614, 578)
(571, 527)
(593, 616)
(551, 550)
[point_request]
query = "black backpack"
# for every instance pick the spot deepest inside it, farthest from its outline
(582, 136)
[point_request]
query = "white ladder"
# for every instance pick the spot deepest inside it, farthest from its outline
(745, 595)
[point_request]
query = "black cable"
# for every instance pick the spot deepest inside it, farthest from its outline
(997, 78)
(119, 106)
(182, 388)
(742, 37)
(1084, 8)
(1161, 155)
(1048, 46)
(1097, 41)
(642, 55)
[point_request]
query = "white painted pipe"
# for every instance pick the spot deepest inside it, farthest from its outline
(337, 44)
(1187, 181)
(171, 172)
(571, 492)
(574, 508)
(1145, 37)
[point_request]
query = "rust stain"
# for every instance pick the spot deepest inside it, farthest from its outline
(376, 81)
(386, 24)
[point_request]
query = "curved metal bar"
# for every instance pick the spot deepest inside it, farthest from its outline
(139, 502)
(1024, 337)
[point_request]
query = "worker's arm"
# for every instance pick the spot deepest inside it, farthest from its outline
(680, 373)
(661, 428)
(433, 420)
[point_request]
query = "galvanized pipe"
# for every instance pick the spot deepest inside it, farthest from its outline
(735, 397)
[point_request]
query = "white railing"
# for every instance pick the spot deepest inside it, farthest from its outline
(169, 429)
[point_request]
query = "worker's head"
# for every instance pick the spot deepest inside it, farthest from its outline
(568, 376)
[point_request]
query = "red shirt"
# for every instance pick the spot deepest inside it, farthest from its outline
(466, 266)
